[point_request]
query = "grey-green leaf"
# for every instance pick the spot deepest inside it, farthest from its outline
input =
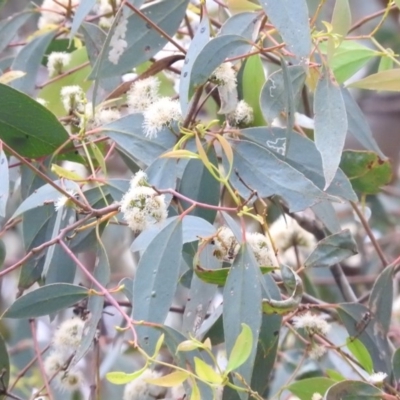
(143, 41)
(9, 27)
(332, 250)
(330, 125)
(273, 94)
(353, 390)
(242, 304)
(396, 365)
(27, 126)
(80, 14)
(156, 280)
(4, 368)
(4, 183)
(46, 300)
(290, 18)
(29, 60)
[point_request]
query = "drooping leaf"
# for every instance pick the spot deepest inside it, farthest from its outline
(39, 135)
(46, 300)
(263, 171)
(206, 372)
(341, 18)
(332, 250)
(352, 390)
(4, 183)
(358, 125)
(29, 60)
(122, 378)
(127, 133)
(10, 26)
(302, 155)
(241, 349)
(143, 41)
(80, 14)
(156, 280)
(305, 388)
(366, 170)
(330, 125)
(384, 80)
(4, 368)
(242, 305)
(396, 365)
(290, 18)
(170, 380)
(360, 352)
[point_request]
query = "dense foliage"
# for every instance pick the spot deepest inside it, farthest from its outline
(178, 216)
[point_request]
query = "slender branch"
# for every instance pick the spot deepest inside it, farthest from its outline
(370, 17)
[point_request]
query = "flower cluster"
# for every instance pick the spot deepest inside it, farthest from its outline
(66, 341)
(139, 389)
(63, 201)
(225, 76)
(57, 61)
(118, 44)
(73, 99)
(158, 112)
(54, 12)
(243, 114)
(312, 323)
(377, 378)
(141, 205)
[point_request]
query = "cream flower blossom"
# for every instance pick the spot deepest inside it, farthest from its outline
(313, 323)
(54, 12)
(139, 389)
(226, 245)
(225, 75)
(142, 94)
(377, 378)
(73, 98)
(69, 334)
(57, 61)
(243, 114)
(259, 245)
(62, 201)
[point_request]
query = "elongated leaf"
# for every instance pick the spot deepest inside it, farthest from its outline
(4, 183)
(332, 250)
(326, 213)
(263, 171)
(396, 364)
(366, 170)
(122, 378)
(9, 27)
(352, 390)
(39, 135)
(156, 280)
(290, 18)
(242, 304)
(4, 367)
(46, 300)
(358, 125)
(29, 60)
(213, 54)
(360, 352)
(341, 17)
(80, 14)
(330, 125)
(384, 80)
(302, 155)
(200, 39)
(128, 134)
(305, 388)
(245, 24)
(143, 41)
(241, 349)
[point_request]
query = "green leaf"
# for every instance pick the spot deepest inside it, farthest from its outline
(290, 18)
(348, 59)
(29, 60)
(39, 135)
(10, 26)
(242, 305)
(265, 172)
(358, 125)
(156, 280)
(396, 364)
(305, 388)
(385, 80)
(122, 378)
(46, 300)
(273, 97)
(332, 250)
(143, 41)
(80, 14)
(206, 372)
(2, 253)
(4, 368)
(200, 39)
(252, 81)
(341, 18)
(302, 155)
(170, 380)
(361, 353)
(366, 170)
(330, 125)
(353, 390)
(241, 349)
(127, 133)
(4, 183)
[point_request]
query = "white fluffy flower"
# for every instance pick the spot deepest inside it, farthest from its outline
(243, 114)
(53, 363)
(141, 205)
(63, 200)
(104, 8)
(225, 75)
(68, 336)
(54, 12)
(118, 44)
(317, 396)
(226, 245)
(313, 323)
(70, 380)
(161, 113)
(259, 245)
(57, 61)
(142, 94)
(317, 351)
(377, 378)
(139, 389)
(105, 116)
(73, 98)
